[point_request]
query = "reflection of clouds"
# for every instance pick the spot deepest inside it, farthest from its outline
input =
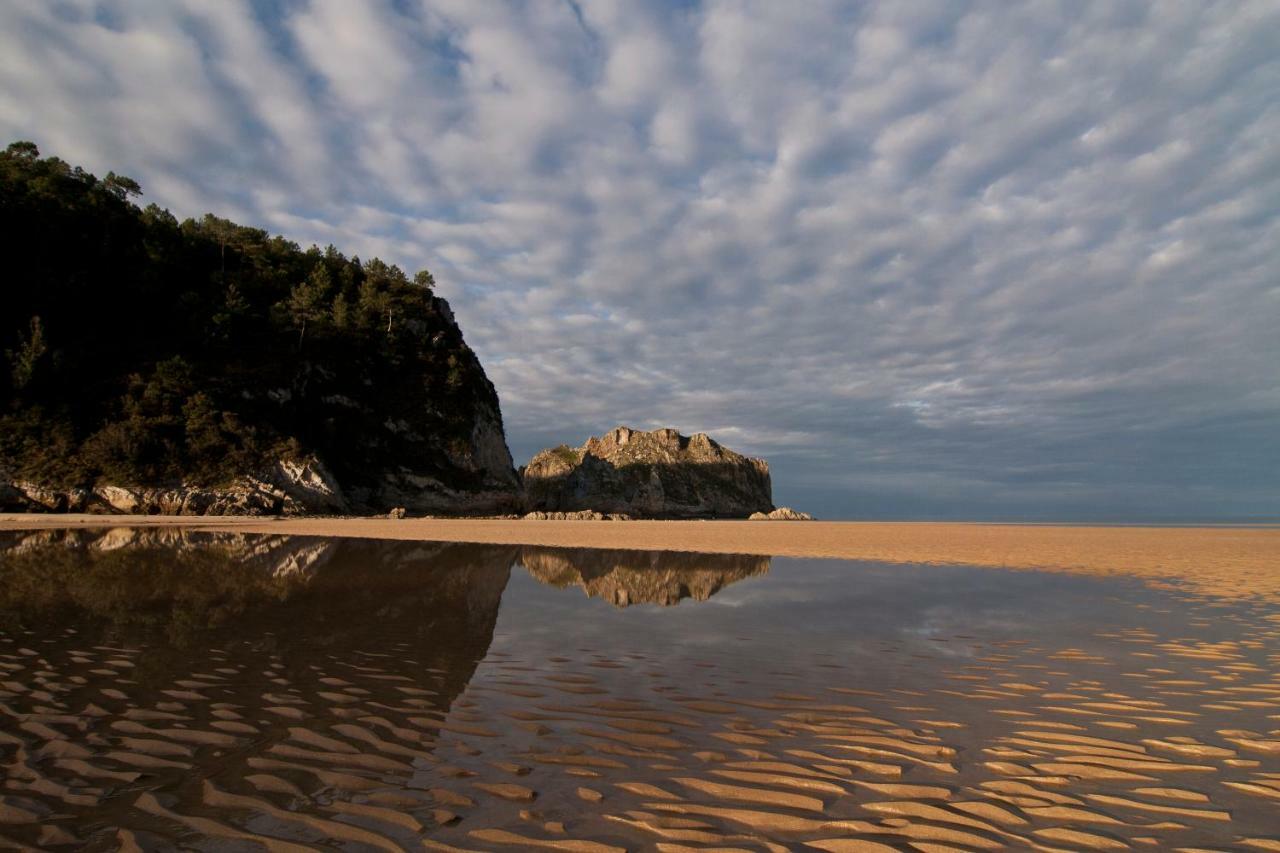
(754, 597)
(939, 625)
(946, 621)
(807, 608)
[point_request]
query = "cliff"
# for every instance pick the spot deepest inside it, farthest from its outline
(658, 474)
(202, 367)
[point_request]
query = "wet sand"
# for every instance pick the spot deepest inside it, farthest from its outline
(928, 710)
(1221, 561)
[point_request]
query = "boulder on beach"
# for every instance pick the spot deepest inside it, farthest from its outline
(578, 515)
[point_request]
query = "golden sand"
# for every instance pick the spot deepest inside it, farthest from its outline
(1222, 561)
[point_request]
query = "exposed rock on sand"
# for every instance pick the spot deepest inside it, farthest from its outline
(288, 487)
(782, 513)
(579, 515)
(658, 474)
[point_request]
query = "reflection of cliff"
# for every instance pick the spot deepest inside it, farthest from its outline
(298, 596)
(433, 604)
(640, 577)
(277, 556)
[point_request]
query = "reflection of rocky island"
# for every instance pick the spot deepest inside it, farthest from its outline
(640, 577)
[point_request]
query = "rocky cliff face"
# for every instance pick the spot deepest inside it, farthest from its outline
(658, 474)
(204, 367)
(422, 465)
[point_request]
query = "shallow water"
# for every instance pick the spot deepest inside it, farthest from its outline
(162, 689)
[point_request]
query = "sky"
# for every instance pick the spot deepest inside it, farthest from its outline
(930, 259)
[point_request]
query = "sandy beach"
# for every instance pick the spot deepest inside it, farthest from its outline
(1225, 561)
(283, 692)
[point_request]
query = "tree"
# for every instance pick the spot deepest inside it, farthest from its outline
(382, 292)
(156, 218)
(341, 311)
(372, 303)
(23, 150)
(309, 301)
(120, 186)
(228, 233)
(31, 347)
(234, 307)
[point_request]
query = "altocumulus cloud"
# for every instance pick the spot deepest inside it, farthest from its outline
(931, 258)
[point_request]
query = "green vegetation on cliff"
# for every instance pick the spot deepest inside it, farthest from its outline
(138, 349)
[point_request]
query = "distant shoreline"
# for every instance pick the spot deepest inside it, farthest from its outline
(1233, 561)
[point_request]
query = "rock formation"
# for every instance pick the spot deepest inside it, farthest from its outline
(658, 474)
(289, 487)
(579, 515)
(782, 513)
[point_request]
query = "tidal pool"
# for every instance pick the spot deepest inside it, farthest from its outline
(163, 689)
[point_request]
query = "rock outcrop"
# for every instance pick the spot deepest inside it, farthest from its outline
(579, 515)
(289, 487)
(782, 513)
(658, 474)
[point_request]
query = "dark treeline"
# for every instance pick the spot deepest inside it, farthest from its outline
(140, 349)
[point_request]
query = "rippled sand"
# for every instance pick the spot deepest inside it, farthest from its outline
(1223, 561)
(407, 717)
(1160, 744)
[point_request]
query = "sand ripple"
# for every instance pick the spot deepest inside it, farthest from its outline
(1124, 739)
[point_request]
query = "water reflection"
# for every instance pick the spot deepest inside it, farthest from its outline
(153, 674)
(164, 688)
(153, 670)
(624, 578)
(179, 583)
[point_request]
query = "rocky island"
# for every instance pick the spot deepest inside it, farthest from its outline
(658, 474)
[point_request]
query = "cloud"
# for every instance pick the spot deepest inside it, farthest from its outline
(929, 259)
